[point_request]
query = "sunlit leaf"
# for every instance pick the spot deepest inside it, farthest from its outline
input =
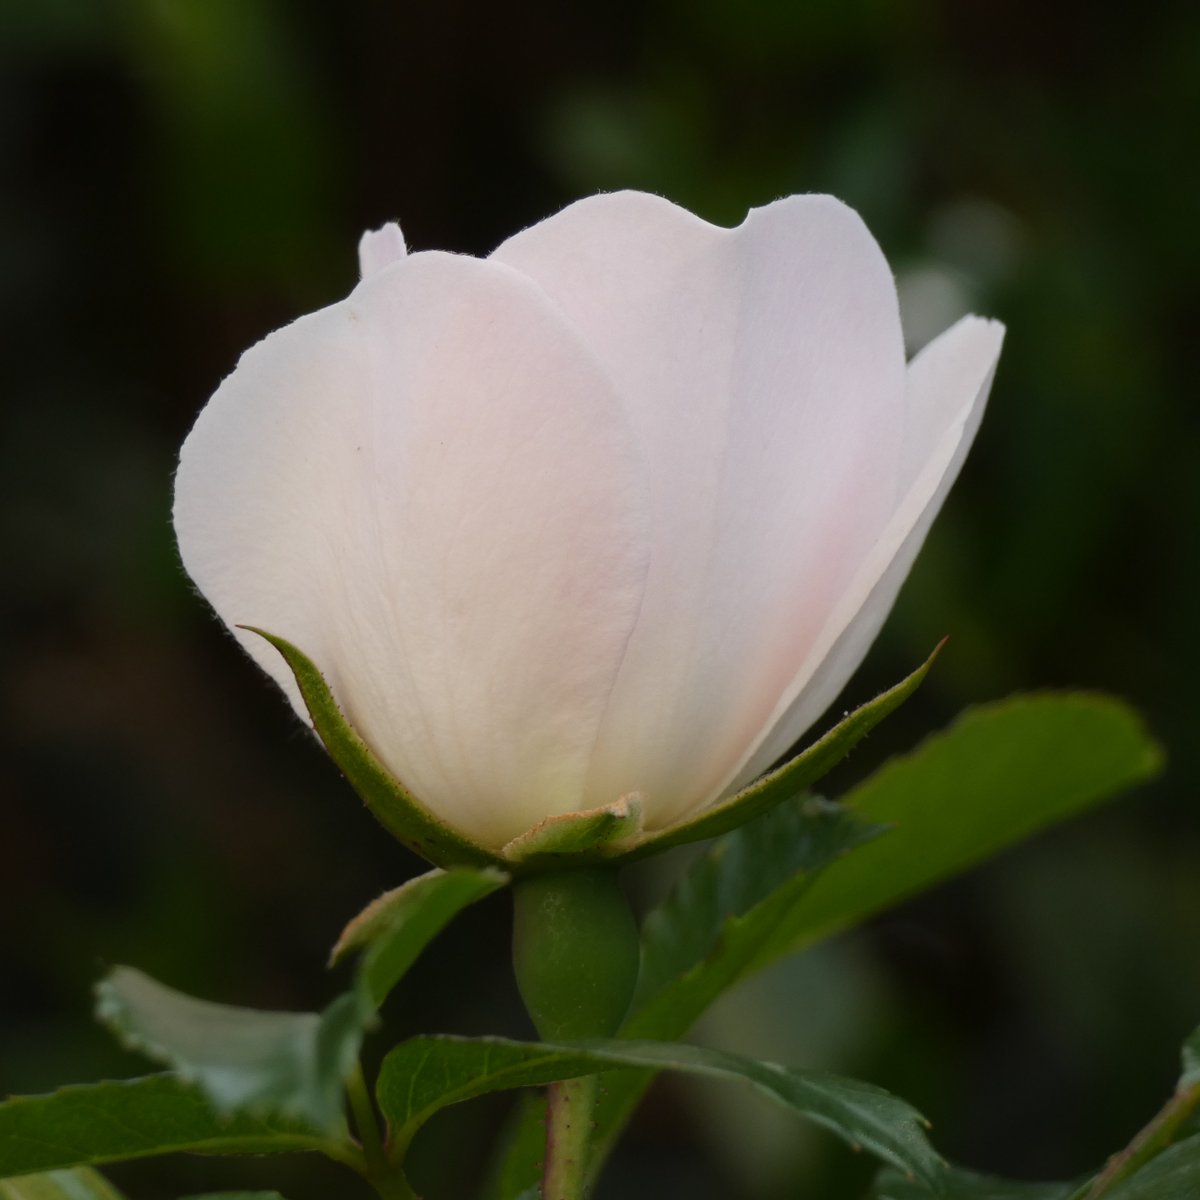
(78, 1183)
(999, 774)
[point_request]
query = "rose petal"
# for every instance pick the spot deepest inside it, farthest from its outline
(948, 385)
(379, 248)
(763, 371)
(431, 490)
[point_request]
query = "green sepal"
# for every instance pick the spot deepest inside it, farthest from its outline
(611, 833)
(396, 809)
(425, 1074)
(602, 832)
(395, 927)
(795, 776)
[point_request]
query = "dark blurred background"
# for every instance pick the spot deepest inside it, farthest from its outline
(182, 176)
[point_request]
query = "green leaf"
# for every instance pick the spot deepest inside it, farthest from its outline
(796, 776)
(1173, 1175)
(1153, 1140)
(995, 776)
(135, 1118)
(426, 1074)
(394, 928)
(963, 1185)
(734, 895)
(596, 833)
(1000, 773)
(400, 813)
(243, 1059)
(79, 1183)
(293, 1064)
(709, 933)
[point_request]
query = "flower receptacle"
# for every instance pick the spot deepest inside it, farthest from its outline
(576, 952)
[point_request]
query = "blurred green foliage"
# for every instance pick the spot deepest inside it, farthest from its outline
(182, 176)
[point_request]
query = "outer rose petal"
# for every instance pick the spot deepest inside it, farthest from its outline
(763, 370)
(948, 385)
(430, 489)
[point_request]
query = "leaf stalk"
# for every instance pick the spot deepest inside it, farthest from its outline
(385, 1176)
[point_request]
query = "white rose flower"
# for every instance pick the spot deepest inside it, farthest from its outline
(614, 512)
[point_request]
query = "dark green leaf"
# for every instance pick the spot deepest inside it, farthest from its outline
(796, 776)
(710, 931)
(517, 1161)
(963, 1185)
(1000, 773)
(1173, 1175)
(422, 1076)
(293, 1064)
(136, 1118)
(236, 1196)
(995, 776)
(394, 928)
(1172, 1122)
(393, 806)
(80, 1183)
(713, 912)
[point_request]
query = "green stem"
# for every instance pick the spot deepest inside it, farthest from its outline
(387, 1179)
(576, 954)
(569, 1109)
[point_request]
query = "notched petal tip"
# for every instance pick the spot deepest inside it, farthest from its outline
(379, 248)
